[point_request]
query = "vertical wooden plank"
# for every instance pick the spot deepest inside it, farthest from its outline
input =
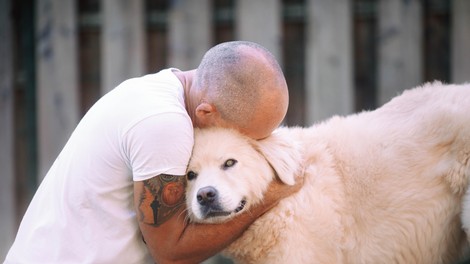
(365, 54)
(56, 78)
(400, 43)
(25, 110)
(89, 53)
(249, 14)
(156, 13)
(7, 202)
(329, 59)
(123, 42)
(437, 39)
(293, 53)
(189, 33)
(460, 41)
(223, 20)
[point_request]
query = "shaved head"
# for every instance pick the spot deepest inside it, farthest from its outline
(246, 85)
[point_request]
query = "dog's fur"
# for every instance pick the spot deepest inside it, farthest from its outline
(385, 186)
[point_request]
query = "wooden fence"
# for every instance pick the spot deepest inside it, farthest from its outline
(57, 57)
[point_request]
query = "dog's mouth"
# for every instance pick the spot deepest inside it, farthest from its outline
(241, 206)
(218, 213)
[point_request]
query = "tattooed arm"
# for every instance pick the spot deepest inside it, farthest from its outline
(171, 238)
(160, 198)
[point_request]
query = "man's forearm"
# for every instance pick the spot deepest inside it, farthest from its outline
(174, 239)
(193, 242)
(206, 240)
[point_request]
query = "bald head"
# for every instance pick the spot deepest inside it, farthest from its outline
(246, 85)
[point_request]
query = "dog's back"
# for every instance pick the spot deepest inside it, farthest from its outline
(381, 187)
(406, 169)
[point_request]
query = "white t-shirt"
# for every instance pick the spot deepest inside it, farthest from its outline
(83, 211)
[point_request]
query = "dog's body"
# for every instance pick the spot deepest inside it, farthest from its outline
(386, 186)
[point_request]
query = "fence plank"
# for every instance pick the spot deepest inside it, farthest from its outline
(400, 43)
(56, 78)
(7, 217)
(190, 33)
(329, 59)
(249, 18)
(460, 64)
(123, 42)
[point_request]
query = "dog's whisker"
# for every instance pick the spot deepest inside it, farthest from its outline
(186, 214)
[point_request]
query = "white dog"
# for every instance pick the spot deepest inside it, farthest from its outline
(386, 186)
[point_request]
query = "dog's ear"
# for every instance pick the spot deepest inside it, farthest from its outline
(283, 154)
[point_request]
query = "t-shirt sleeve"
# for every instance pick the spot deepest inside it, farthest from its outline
(159, 144)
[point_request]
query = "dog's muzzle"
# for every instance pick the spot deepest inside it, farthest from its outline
(209, 203)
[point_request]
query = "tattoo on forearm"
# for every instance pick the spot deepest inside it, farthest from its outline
(161, 198)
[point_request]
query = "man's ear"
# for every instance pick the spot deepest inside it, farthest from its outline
(206, 113)
(283, 154)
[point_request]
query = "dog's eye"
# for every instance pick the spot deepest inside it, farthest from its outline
(229, 163)
(191, 175)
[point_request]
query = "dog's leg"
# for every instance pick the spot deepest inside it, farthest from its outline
(465, 216)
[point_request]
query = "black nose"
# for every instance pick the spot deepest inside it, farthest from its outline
(206, 195)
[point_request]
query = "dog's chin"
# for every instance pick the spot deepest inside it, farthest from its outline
(219, 216)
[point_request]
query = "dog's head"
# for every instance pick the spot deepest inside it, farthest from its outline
(228, 172)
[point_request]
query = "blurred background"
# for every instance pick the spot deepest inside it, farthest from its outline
(57, 57)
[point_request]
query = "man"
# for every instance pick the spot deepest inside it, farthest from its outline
(115, 194)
